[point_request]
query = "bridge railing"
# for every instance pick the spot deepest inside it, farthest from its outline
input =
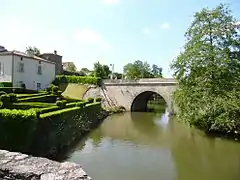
(137, 81)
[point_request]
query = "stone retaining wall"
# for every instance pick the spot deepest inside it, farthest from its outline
(18, 166)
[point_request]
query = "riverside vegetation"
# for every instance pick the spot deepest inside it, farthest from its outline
(44, 123)
(208, 73)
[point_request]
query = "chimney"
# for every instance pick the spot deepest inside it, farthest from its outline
(55, 52)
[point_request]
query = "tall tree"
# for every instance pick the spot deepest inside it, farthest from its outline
(33, 49)
(102, 71)
(70, 66)
(156, 71)
(138, 69)
(208, 76)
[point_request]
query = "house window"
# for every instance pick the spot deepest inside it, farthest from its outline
(39, 69)
(1, 68)
(21, 67)
(20, 83)
(38, 86)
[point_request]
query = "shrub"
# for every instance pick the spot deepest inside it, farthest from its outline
(13, 97)
(43, 98)
(16, 129)
(77, 79)
(98, 99)
(5, 98)
(80, 104)
(68, 105)
(90, 100)
(2, 92)
(5, 84)
(68, 99)
(1, 104)
(48, 109)
(55, 90)
(61, 104)
(23, 86)
(49, 88)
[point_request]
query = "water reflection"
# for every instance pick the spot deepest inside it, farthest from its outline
(139, 146)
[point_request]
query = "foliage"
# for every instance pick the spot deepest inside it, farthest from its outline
(98, 99)
(32, 49)
(55, 90)
(207, 73)
(80, 104)
(77, 79)
(5, 84)
(90, 100)
(2, 92)
(12, 97)
(69, 66)
(16, 129)
(61, 104)
(140, 69)
(102, 71)
(43, 98)
(30, 105)
(5, 99)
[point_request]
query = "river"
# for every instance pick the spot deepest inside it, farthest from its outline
(140, 146)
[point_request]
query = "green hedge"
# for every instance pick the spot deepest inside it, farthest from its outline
(17, 90)
(43, 98)
(58, 129)
(16, 129)
(5, 84)
(30, 105)
(77, 79)
(22, 96)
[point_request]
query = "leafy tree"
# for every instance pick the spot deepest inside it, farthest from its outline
(156, 71)
(138, 69)
(208, 76)
(101, 71)
(70, 66)
(33, 49)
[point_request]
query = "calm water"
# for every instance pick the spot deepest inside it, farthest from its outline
(140, 146)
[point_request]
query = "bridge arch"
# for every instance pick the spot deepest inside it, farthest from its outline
(140, 102)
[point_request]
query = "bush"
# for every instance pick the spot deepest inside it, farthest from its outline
(43, 98)
(49, 88)
(5, 84)
(61, 104)
(55, 90)
(16, 129)
(77, 79)
(13, 97)
(1, 104)
(69, 105)
(80, 104)
(2, 92)
(68, 99)
(48, 109)
(23, 86)
(98, 99)
(90, 100)
(5, 98)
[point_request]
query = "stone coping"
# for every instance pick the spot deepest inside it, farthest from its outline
(16, 166)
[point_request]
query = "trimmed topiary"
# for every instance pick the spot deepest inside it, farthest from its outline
(2, 92)
(13, 97)
(90, 100)
(98, 99)
(80, 104)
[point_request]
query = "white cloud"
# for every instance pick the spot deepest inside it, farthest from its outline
(165, 25)
(90, 37)
(147, 30)
(111, 1)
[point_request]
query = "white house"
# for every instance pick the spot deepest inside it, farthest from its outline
(19, 68)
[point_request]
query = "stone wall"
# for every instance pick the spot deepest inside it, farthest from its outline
(17, 166)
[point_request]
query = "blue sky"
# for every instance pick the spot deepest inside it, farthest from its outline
(108, 31)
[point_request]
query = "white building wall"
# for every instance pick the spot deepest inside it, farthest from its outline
(6, 68)
(30, 77)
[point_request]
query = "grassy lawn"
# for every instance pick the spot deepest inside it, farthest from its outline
(73, 90)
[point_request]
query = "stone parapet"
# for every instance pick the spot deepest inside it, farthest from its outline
(18, 166)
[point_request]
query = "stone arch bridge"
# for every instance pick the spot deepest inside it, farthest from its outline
(134, 94)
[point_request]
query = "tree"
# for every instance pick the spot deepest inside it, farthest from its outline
(101, 71)
(208, 76)
(69, 66)
(156, 71)
(33, 49)
(138, 69)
